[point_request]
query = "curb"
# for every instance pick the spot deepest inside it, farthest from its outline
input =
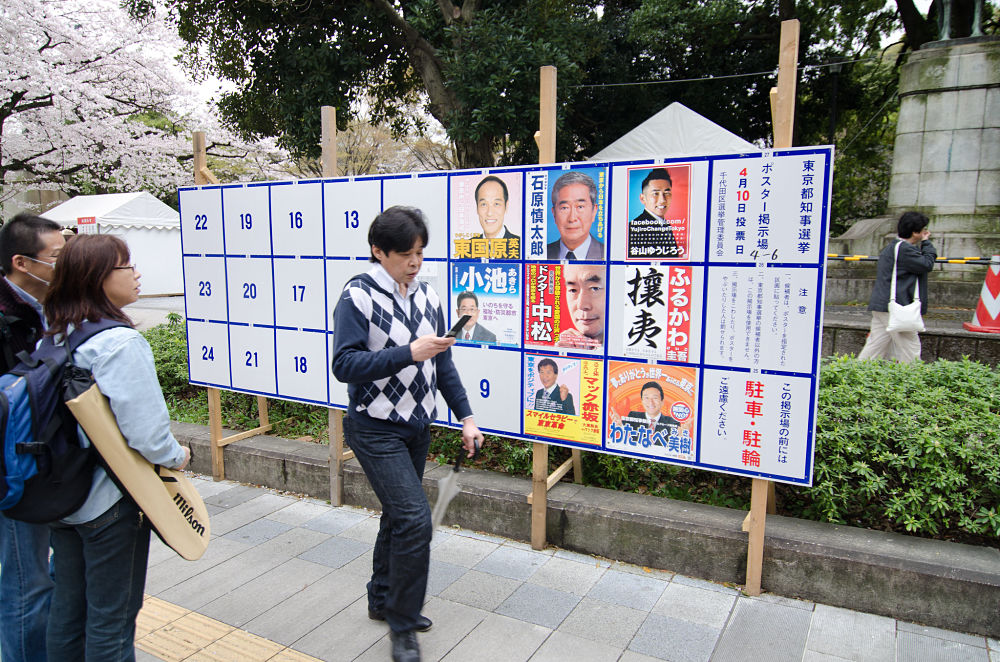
(932, 582)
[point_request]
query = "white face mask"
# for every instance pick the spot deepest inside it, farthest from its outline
(51, 265)
(40, 280)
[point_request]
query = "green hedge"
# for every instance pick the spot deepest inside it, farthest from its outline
(909, 448)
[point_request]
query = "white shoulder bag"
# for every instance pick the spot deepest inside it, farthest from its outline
(903, 318)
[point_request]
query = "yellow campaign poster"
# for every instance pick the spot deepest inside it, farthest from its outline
(562, 398)
(651, 409)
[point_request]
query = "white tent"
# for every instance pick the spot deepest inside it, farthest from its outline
(674, 131)
(151, 229)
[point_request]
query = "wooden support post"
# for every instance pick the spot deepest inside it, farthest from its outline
(762, 499)
(202, 176)
(545, 138)
(335, 417)
(215, 433)
(328, 140)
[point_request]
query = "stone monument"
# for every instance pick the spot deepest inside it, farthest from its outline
(946, 164)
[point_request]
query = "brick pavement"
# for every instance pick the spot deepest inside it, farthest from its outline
(284, 580)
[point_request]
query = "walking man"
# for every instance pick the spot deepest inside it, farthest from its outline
(389, 348)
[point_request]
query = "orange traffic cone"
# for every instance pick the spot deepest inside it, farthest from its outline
(987, 316)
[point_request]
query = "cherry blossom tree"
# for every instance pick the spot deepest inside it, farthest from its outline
(89, 102)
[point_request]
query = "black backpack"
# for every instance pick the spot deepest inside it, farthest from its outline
(46, 474)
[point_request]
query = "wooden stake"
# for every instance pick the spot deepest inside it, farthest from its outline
(762, 499)
(545, 138)
(215, 433)
(328, 141)
(335, 417)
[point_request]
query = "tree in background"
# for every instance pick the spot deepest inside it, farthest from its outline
(88, 103)
(473, 64)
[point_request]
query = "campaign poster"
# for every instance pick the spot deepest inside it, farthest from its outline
(491, 295)
(562, 398)
(575, 217)
(651, 410)
(659, 213)
(486, 216)
(657, 312)
(564, 306)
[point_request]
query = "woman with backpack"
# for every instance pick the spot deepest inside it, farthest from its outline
(101, 550)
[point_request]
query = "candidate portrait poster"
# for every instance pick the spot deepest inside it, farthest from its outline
(651, 410)
(659, 213)
(566, 214)
(495, 304)
(562, 398)
(564, 306)
(486, 216)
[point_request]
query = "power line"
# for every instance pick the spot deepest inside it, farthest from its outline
(773, 72)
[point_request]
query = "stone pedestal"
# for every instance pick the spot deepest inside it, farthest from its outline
(946, 160)
(946, 164)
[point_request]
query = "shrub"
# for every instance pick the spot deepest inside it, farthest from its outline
(911, 448)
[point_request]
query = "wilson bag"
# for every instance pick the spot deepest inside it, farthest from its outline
(45, 474)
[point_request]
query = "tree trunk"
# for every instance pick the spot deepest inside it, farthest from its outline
(475, 153)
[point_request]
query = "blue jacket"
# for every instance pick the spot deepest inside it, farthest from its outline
(371, 354)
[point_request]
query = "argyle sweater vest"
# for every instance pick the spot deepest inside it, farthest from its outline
(409, 396)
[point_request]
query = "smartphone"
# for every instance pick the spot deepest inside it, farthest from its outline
(459, 325)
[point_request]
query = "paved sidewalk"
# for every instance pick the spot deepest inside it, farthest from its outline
(284, 579)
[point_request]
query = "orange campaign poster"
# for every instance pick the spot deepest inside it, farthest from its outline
(562, 398)
(651, 410)
(485, 216)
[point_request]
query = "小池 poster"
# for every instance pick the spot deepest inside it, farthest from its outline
(564, 306)
(651, 410)
(491, 295)
(486, 216)
(562, 398)
(659, 213)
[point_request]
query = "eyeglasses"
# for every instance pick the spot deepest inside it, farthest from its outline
(465, 310)
(133, 267)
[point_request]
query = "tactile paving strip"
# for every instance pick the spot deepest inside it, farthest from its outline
(175, 634)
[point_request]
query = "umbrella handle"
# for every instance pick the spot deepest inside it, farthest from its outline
(461, 454)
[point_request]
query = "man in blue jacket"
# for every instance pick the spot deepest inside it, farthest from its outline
(916, 258)
(29, 248)
(389, 348)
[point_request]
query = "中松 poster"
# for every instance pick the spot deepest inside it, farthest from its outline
(659, 213)
(486, 216)
(562, 398)
(651, 410)
(491, 295)
(564, 306)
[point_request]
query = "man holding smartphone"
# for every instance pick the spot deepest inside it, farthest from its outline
(390, 349)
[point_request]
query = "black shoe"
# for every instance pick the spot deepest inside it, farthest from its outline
(404, 647)
(423, 623)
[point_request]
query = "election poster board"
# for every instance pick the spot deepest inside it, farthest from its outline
(662, 309)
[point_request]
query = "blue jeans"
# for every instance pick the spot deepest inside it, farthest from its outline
(394, 465)
(100, 574)
(25, 590)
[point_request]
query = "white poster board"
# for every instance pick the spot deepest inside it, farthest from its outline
(683, 327)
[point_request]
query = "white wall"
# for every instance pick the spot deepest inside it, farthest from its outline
(158, 256)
